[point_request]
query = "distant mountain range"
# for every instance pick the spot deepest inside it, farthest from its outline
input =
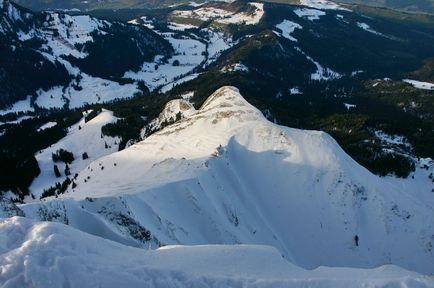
(426, 6)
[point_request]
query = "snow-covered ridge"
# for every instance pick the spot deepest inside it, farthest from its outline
(224, 174)
(42, 254)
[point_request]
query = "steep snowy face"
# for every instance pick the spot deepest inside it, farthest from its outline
(226, 121)
(225, 175)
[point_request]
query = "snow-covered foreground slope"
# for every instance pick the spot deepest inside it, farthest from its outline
(42, 254)
(226, 175)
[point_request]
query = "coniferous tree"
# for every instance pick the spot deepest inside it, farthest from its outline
(67, 170)
(56, 171)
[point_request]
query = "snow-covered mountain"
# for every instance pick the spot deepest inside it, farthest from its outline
(68, 61)
(213, 191)
(225, 175)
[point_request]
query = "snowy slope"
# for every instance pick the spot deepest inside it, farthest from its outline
(82, 137)
(191, 52)
(225, 175)
(70, 44)
(41, 254)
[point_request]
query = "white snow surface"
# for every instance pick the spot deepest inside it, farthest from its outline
(420, 84)
(144, 21)
(173, 84)
(190, 54)
(224, 16)
(157, 73)
(43, 254)
(188, 95)
(225, 175)
(61, 33)
(20, 106)
(369, 29)
(349, 106)
(71, 30)
(322, 5)
(287, 27)
(19, 120)
(310, 14)
(391, 139)
(295, 91)
(47, 125)
(94, 90)
(180, 27)
(321, 73)
(246, 18)
(217, 43)
(82, 137)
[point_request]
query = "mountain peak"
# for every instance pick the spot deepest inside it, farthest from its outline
(227, 103)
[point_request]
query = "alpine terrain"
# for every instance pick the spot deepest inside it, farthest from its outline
(216, 144)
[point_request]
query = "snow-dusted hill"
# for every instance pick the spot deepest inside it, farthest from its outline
(226, 175)
(68, 61)
(54, 255)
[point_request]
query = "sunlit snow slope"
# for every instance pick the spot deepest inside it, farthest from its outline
(226, 175)
(83, 137)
